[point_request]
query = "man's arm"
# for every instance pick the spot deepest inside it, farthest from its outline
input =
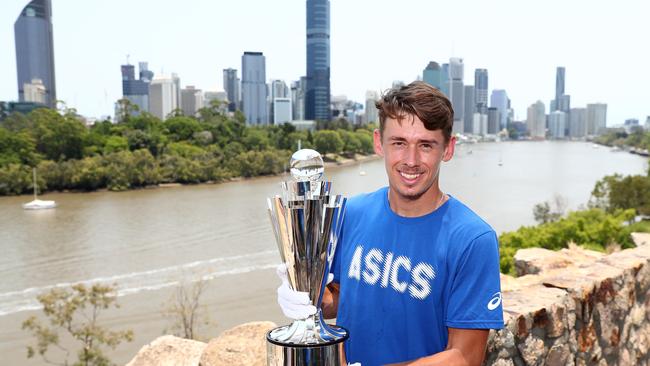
(465, 347)
(330, 303)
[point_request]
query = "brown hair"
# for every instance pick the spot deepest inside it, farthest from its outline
(420, 99)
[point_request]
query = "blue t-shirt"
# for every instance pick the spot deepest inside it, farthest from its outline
(403, 281)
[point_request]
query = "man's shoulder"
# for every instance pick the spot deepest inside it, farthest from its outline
(465, 221)
(366, 201)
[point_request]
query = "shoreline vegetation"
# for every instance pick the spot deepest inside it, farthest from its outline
(143, 151)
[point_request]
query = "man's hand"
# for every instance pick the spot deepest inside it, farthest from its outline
(294, 304)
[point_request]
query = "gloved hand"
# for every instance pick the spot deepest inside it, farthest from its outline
(294, 304)
(355, 364)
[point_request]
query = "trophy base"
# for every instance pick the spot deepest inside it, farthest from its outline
(329, 353)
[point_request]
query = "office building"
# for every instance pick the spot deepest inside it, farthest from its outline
(470, 108)
(432, 75)
(253, 88)
(536, 120)
(136, 90)
(371, 114)
(647, 123)
(493, 120)
(596, 118)
(444, 79)
(191, 100)
(457, 92)
(218, 97)
(231, 86)
(481, 90)
(317, 106)
(578, 123)
(557, 124)
(276, 89)
(298, 89)
(162, 96)
(35, 49)
(559, 84)
(282, 110)
(177, 82)
(499, 100)
(480, 123)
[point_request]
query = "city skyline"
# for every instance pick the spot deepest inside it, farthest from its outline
(367, 53)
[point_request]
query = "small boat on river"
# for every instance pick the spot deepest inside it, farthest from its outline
(37, 204)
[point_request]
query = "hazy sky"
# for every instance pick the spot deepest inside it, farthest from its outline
(602, 43)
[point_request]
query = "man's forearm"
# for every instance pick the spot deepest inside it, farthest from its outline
(330, 303)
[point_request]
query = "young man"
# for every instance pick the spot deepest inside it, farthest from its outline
(416, 272)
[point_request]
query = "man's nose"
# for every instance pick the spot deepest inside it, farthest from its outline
(412, 158)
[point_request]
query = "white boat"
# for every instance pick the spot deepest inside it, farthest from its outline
(37, 204)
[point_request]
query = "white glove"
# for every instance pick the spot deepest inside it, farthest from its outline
(355, 364)
(294, 304)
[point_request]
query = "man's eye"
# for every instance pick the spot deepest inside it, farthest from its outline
(426, 146)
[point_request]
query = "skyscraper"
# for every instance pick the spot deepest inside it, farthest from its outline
(481, 90)
(191, 100)
(559, 85)
(35, 91)
(317, 105)
(298, 89)
(457, 92)
(231, 86)
(536, 120)
(499, 100)
(444, 78)
(136, 91)
(432, 75)
(35, 48)
(162, 96)
(278, 90)
(557, 124)
(470, 108)
(253, 88)
(578, 122)
(596, 118)
(372, 114)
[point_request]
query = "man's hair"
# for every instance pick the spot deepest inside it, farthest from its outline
(420, 99)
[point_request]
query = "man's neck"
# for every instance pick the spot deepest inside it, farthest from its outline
(425, 204)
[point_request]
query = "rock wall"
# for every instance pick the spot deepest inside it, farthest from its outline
(572, 307)
(575, 307)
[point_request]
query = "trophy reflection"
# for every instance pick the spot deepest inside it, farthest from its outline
(306, 222)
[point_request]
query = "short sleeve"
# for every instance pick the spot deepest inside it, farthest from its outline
(474, 300)
(336, 262)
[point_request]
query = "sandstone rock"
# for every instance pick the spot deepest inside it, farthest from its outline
(558, 355)
(641, 239)
(244, 345)
(169, 351)
(539, 260)
(532, 351)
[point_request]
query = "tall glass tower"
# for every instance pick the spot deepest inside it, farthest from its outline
(317, 98)
(34, 48)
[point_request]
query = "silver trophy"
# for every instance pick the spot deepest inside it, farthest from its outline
(307, 222)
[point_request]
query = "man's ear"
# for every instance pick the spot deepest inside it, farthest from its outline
(376, 137)
(449, 150)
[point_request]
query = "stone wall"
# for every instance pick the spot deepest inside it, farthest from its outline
(572, 307)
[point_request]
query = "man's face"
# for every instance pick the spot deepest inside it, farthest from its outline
(412, 155)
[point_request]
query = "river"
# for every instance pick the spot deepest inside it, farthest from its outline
(147, 241)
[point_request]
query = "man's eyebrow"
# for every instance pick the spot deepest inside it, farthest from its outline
(432, 141)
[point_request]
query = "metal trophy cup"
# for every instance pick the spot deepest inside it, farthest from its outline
(307, 222)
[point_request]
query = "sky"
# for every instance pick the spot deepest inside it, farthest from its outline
(602, 44)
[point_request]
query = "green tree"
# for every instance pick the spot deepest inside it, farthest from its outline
(115, 144)
(58, 137)
(17, 148)
(616, 192)
(182, 128)
(328, 142)
(76, 312)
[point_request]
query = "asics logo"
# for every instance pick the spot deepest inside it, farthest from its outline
(495, 302)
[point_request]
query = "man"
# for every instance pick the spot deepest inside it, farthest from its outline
(416, 272)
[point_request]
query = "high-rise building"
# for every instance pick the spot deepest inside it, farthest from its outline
(444, 79)
(177, 82)
(493, 118)
(481, 90)
(35, 92)
(596, 118)
(480, 123)
(647, 123)
(559, 83)
(136, 90)
(191, 100)
(35, 49)
(298, 89)
(470, 108)
(253, 88)
(281, 110)
(457, 92)
(216, 96)
(499, 100)
(536, 120)
(277, 89)
(372, 114)
(317, 105)
(557, 124)
(578, 122)
(432, 75)
(231, 86)
(162, 96)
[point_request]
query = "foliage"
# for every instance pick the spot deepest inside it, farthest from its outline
(616, 192)
(546, 212)
(76, 312)
(142, 150)
(593, 228)
(618, 137)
